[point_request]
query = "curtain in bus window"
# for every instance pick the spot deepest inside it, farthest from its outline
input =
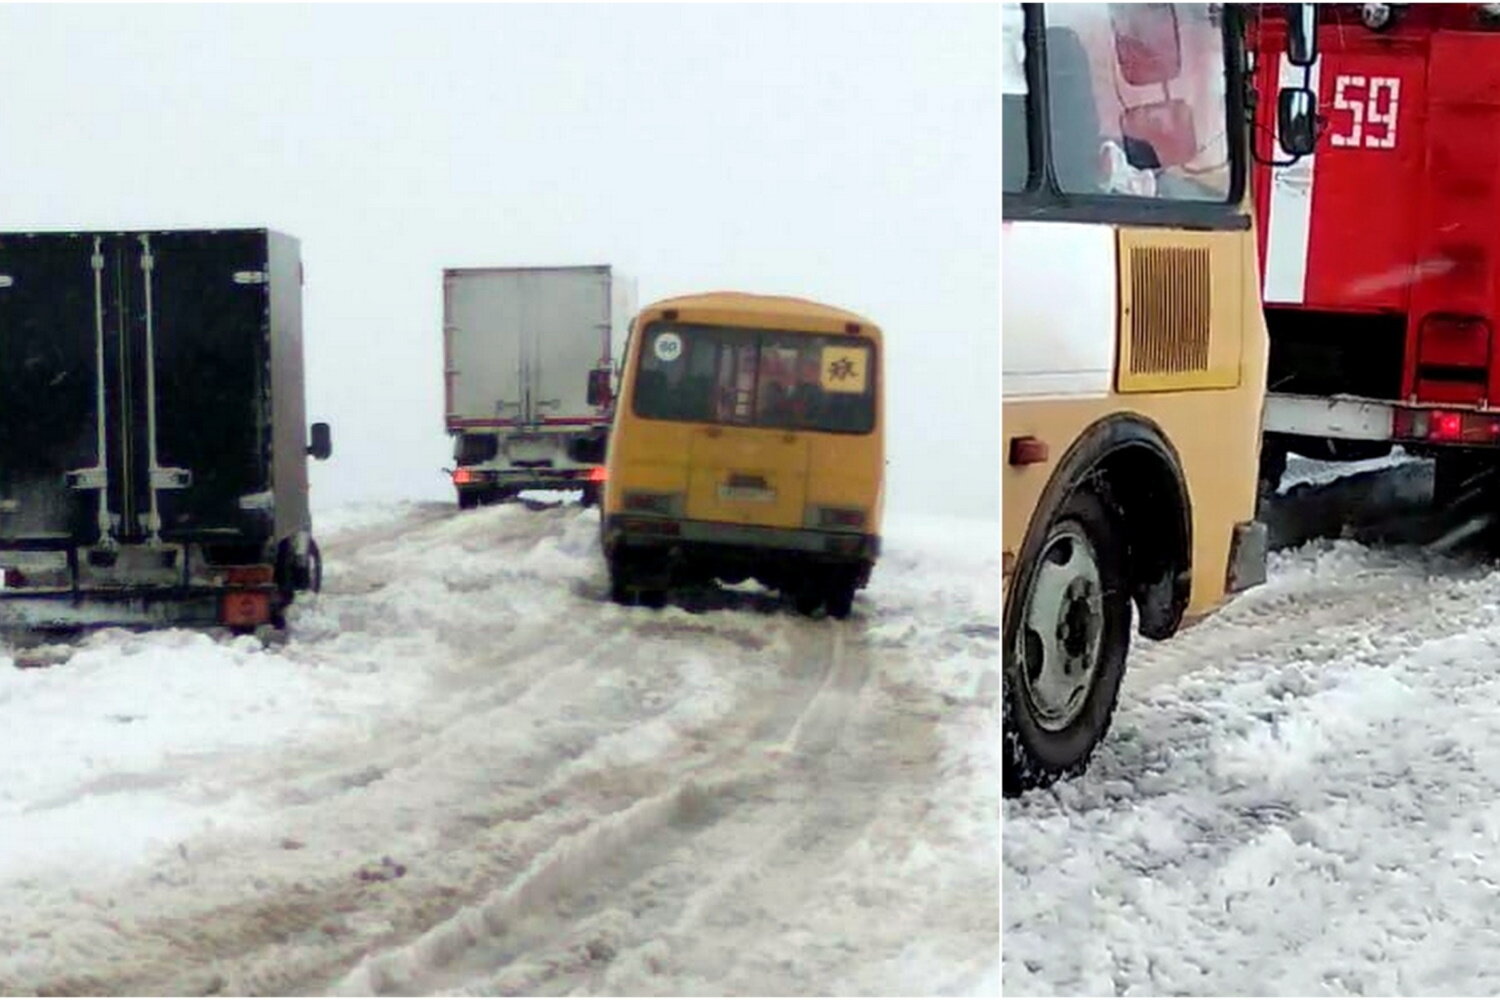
(1137, 103)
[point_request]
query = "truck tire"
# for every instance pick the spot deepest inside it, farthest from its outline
(590, 496)
(468, 499)
(1067, 632)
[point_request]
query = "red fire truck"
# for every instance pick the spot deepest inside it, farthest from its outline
(1380, 253)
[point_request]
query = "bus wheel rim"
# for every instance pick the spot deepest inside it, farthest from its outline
(1061, 641)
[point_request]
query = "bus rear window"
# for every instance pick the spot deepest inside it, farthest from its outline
(756, 378)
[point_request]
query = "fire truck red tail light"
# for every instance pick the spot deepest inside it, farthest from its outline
(1462, 426)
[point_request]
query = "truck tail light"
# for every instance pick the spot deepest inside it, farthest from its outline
(249, 576)
(466, 477)
(240, 608)
(1448, 426)
(596, 474)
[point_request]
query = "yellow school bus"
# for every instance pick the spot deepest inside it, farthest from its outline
(748, 442)
(1134, 349)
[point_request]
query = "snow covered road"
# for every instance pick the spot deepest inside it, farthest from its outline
(1300, 796)
(467, 772)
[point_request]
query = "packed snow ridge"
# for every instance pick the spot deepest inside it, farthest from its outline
(465, 771)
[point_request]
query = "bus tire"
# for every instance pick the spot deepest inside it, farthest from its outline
(1060, 695)
(840, 593)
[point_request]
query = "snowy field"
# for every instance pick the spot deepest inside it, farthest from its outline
(464, 771)
(1301, 796)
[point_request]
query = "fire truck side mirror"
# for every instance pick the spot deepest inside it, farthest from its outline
(1301, 34)
(1297, 120)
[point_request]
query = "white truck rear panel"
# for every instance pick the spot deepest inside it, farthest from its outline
(520, 342)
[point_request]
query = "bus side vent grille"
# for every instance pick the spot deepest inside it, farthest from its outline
(1169, 296)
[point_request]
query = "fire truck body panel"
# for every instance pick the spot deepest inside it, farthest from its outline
(1380, 252)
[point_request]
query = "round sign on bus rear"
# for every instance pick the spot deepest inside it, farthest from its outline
(668, 346)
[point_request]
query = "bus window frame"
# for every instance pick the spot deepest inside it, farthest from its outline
(877, 416)
(1043, 199)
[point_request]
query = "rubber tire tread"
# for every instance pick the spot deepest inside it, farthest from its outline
(1033, 757)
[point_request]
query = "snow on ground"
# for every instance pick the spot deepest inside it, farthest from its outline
(1299, 796)
(465, 771)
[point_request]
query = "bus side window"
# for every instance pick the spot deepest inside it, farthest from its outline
(1076, 136)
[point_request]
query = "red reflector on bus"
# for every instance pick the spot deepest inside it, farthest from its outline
(245, 607)
(1027, 450)
(248, 576)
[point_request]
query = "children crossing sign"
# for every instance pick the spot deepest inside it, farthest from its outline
(845, 369)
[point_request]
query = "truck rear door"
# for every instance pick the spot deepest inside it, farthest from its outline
(134, 386)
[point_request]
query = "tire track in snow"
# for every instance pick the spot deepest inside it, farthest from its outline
(758, 812)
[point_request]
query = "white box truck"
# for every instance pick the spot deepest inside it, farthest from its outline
(529, 371)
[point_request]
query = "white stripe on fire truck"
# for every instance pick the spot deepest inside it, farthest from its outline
(1289, 220)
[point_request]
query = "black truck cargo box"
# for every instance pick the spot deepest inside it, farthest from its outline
(153, 437)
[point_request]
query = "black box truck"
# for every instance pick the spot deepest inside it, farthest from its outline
(153, 435)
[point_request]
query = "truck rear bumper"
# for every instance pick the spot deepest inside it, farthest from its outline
(1356, 418)
(1345, 417)
(245, 607)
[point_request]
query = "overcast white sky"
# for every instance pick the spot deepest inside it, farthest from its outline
(844, 153)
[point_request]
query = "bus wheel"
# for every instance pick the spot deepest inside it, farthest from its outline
(628, 585)
(840, 593)
(1066, 635)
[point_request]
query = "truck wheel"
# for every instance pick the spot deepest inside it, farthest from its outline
(1067, 632)
(590, 496)
(467, 499)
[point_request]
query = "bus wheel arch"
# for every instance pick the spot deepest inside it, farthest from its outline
(1128, 462)
(1111, 528)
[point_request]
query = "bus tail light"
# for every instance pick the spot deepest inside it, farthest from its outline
(840, 517)
(644, 526)
(661, 504)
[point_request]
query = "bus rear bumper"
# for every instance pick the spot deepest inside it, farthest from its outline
(742, 543)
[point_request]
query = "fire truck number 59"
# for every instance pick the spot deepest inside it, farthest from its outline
(1372, 106)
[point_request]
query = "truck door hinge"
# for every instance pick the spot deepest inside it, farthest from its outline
(171, 479)
(95, 478)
